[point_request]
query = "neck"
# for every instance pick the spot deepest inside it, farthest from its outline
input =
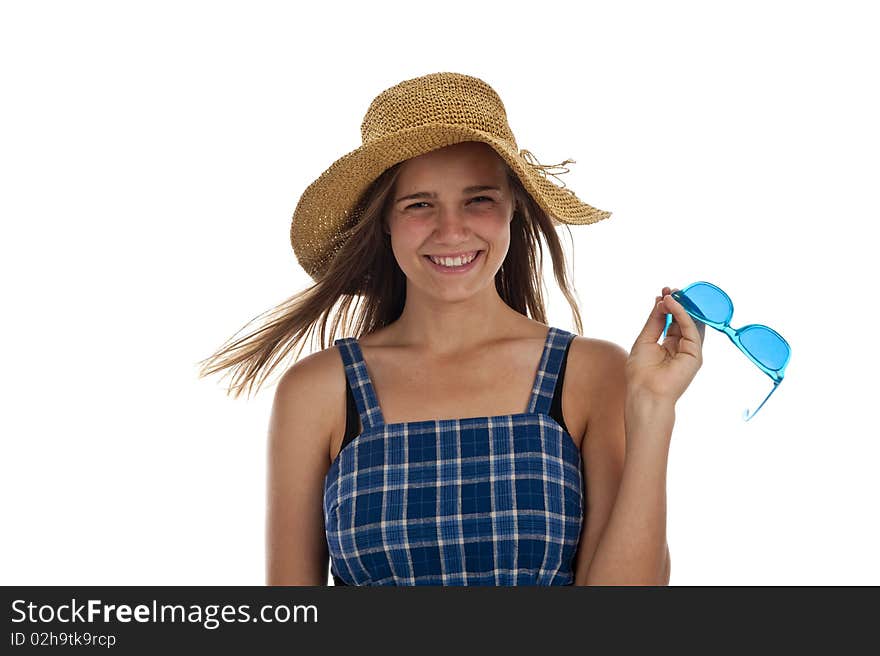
(446, 329)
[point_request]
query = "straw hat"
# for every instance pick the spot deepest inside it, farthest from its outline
(409, 119)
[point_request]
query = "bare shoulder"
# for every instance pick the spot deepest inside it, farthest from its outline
(597, 350)
(316, 370)
(597, 365)
(595, 353)
(312, 389)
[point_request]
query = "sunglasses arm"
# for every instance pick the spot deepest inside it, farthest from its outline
(747, 416)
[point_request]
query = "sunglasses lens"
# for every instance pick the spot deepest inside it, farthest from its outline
(766, 346)
(707, 303)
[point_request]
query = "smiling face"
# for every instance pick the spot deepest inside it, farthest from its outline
(452, 201)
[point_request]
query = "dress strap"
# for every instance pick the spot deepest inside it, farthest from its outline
(548, 370)
(359, 381)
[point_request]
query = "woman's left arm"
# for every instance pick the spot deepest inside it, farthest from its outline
(633, 548)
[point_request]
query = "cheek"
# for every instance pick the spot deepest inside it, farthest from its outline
(406, 241)
(498, 230)
(406, 235)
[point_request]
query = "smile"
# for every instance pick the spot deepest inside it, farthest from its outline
(458, 264)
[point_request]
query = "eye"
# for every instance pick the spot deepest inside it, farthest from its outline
(475, 198)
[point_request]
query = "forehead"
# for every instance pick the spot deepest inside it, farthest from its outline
(466, 159)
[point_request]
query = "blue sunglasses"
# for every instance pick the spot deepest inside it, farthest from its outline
(764, 346)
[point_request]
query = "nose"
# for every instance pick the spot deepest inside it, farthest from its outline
(451, 226)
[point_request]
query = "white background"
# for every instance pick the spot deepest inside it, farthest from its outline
(152, 155)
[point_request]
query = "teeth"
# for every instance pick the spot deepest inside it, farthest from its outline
(452, 261)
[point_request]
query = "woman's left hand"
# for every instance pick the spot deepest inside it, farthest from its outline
(662, 372)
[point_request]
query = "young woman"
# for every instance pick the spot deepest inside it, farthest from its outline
(453, 437)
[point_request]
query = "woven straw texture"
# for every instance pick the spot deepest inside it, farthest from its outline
(409, 119)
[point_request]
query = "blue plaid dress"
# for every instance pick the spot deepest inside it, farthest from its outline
(473, 501)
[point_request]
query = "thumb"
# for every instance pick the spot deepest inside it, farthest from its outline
(654, 325)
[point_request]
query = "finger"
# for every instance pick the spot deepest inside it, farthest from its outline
(673, 333)
(654, 325)
(701, 327)
(686, 324)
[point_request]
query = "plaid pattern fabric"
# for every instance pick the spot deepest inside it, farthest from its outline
(472, 501)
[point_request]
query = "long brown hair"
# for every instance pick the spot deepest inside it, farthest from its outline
(364, 289)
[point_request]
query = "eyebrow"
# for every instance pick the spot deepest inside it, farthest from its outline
(466, 190)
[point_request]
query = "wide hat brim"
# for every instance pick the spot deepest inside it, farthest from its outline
(327, 209)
